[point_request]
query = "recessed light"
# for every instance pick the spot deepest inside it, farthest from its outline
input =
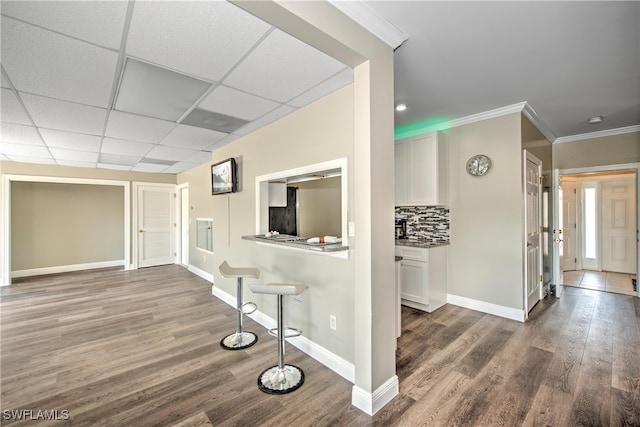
(595, 120)
(401, 107)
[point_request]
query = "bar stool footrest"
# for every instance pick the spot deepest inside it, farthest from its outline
(252, 305)
(288, 332)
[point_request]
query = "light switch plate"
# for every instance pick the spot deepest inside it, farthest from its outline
(352, 229)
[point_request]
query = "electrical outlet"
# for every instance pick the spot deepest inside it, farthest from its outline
(352, 229)
(333, 322)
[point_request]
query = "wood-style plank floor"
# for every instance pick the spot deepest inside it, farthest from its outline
(141, 348)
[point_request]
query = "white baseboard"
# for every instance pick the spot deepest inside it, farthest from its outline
(487, 307)
(370, 403)
(67, 268)
(201, 273)
(336, 363)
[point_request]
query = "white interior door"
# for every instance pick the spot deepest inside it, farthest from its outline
(556, 223)
(533, 231)
(619, 225)
(156, 225)
(569, 225)
(185, 220)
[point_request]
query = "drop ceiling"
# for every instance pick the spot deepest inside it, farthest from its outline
(146, 86)
(68, 98)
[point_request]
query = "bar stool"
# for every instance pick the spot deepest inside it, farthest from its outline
(280, 379)
(239, 339)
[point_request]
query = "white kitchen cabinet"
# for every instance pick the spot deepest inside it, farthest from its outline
(421, 170)
(424, 277)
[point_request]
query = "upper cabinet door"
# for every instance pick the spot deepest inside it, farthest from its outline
(421, 170)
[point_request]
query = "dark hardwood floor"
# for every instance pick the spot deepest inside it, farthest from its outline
(141, 348)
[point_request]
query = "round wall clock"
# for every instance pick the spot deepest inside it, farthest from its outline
(478, 165)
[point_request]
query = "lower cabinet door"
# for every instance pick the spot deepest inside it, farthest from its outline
(414, 281)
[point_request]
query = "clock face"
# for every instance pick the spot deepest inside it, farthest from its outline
(478, 165)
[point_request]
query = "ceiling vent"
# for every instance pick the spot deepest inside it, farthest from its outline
(213, 121)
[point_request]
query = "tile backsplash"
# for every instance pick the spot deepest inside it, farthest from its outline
(426, 222)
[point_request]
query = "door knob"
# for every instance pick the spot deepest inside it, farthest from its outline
(558, 240)
(141, 230)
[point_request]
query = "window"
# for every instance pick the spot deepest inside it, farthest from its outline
(204, 236)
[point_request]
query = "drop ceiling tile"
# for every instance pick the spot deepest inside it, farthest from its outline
(12, 110)
(99, 22)
(63, 115)
(114, 159)
(4, 81)
(113, 167)
(45, 63)
(24, 150)
(224, 141)
(3, 157)
(192, 137)
(234, 103)
(91, 165)
(137, 128)
(70, 141)
(204, 39)
(163, 152)
(19, 134)
(73, 155)
(181, 167)
(125, 148)
(38, 160)
(265, 120)
(340, 80)
(199, 157)
(157, 92)
(145, 167)
(282, 67)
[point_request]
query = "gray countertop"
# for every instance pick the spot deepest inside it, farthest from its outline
(424, 244)
(300, 244)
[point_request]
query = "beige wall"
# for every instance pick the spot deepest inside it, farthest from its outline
(71, 258)
(485, 255)
(319, 132)
(609, 150)
(65, 224)
(320, 210)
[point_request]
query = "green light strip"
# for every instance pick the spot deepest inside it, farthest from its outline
(420, 127)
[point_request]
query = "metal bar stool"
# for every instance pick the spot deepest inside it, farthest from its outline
(280, 379)
(239, 339)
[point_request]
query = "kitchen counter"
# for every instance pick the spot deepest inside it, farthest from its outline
(424, 244)
(298, 243)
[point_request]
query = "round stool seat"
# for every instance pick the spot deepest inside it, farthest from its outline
(278, 288)
(233, 272)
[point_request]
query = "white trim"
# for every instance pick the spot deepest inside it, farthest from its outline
(608, 168)
(371, 21)
(597, 134)
(332, 361)
(370, 403)
(491, 114)
(487, 307)
(262, 192)
(180, 258)
(68, 268)
(535, 119)
(5, 242)
(136, 185)
(205, 276)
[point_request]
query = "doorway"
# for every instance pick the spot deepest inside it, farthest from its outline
(599, 230)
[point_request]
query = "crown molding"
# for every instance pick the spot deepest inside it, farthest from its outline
(598, 134)
(371, 21)
(535, 119)
(491, 114)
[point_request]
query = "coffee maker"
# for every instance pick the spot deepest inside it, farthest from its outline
(401, 229)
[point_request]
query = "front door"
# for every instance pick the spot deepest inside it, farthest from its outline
(533, 231)
(156, 225)
(619, 226)
(569, 225)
